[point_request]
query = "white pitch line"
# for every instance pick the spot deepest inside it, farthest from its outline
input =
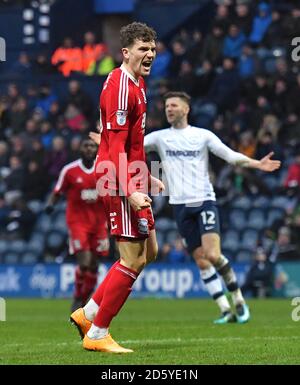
(168, 340)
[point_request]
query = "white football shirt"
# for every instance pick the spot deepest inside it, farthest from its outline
(184, 156)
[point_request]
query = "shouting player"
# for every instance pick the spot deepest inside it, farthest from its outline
(184, 150)
(123, 181)
(86, 219)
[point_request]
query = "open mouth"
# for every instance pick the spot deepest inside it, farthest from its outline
(147, 64)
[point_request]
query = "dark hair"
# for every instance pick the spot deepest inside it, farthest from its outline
(136, 31)
(178, 94)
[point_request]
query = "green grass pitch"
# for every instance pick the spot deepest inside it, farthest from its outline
(161, 331)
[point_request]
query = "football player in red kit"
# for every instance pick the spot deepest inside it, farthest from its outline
(122, 179)
(86, 219)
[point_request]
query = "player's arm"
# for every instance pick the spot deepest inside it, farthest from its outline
(61, 186)
(150, 142)
(118, 155)
(217, 147)
(51, 202)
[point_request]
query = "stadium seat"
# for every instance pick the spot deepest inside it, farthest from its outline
(11, 258)
(273, 215)
(55, 240)
(281, 202)
(43, 223)
(165, 224)
(59, 223)
(171, 236)
(244, 256)
(237, 219)
(230, 241)
(17, 246)
(261, 202)
(30, 258)
(36, 206)
(243, 202)
(271, 181)
(36, 243)
(3, 246)
(249, 239)
(256, 219)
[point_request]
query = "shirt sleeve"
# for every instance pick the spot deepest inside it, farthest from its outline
(218, 148)
(62, 183)
(119, 105)
(150, 142)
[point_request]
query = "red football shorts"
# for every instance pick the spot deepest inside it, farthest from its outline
(125, 223)
(82, 239)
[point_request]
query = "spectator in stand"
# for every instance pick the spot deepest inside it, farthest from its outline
(4, 154)
(20, 221)
(213, 45)
(293, 174)
(22, 66)
(91, 52)
(267, 144)
(41, 65)
(234, 42)
(247, 62)
(178, 56)
(15, 180)
(261, 23)
(223, 17)
(243, 18)
(18, 115)
(79, 99)
(56, 158)
(36, 182)
(45, 99)
(247, 145)
(285, 250)
(225, 88)
(160, 67)
(260, 277)
(67, 58)
(175, 253)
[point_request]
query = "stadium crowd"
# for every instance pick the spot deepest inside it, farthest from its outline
(245, 87)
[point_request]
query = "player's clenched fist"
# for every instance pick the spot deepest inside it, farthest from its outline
(139, 200)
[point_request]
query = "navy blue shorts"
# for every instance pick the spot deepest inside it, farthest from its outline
(193, 222)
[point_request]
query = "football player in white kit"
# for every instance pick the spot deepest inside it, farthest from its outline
(184, 151)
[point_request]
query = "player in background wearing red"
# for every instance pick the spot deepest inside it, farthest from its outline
(86, 219)
(123, 115)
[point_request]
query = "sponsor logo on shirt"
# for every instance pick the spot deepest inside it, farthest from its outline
(121, 117)
(183, 153)
(89, 195)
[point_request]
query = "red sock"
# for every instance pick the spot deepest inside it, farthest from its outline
(89, 282)
(98, 295)
(79, 274)
(115, 294)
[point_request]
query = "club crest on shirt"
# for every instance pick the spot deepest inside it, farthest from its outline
(143, 226)
(121, 117)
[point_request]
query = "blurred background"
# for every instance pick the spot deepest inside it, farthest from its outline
(234, 57)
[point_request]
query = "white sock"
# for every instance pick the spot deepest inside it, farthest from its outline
(237, 297)
(90, 310)
(96, 333)
(214, 287)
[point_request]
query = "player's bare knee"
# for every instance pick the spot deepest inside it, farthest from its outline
(212, 256)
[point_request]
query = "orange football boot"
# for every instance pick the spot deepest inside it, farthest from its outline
(78, 319)
(106, 344)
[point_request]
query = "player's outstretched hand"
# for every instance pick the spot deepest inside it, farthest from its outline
(139, 200)
(157, 186)
(95, 136)
(269, 165)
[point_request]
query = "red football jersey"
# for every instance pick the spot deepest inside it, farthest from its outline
(122, 123)
(83, 203)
